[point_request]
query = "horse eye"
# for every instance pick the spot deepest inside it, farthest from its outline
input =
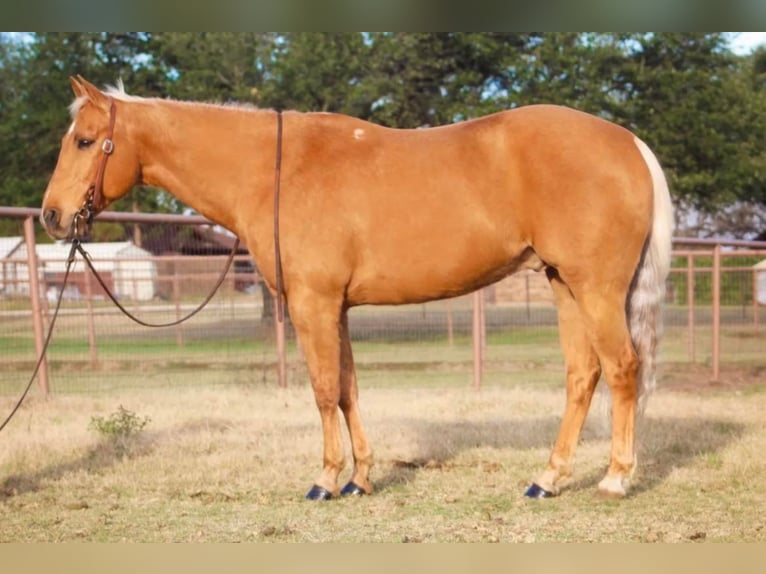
(84, 143)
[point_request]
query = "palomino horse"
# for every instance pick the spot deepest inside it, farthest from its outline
(371, 215)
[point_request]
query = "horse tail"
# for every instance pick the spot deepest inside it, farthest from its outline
(647, 289)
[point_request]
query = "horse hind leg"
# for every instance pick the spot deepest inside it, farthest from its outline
(349, 405)
(607, 325)
(583, 370)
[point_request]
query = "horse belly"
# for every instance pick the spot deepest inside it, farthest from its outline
(419, 273)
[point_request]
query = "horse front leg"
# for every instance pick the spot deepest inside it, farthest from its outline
(316, 320)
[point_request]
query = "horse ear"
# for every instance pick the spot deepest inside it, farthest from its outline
(96, 96)
(74, 81)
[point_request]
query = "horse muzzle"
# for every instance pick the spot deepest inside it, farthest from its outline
(60, 227)
(51, 218)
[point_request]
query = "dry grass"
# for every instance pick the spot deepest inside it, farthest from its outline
(232, 464)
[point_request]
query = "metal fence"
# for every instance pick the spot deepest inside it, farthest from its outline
(715, 317)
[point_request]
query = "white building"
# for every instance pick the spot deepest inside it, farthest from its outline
(128, 270)
(760, 281)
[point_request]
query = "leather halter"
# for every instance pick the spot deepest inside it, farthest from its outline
(94, 198)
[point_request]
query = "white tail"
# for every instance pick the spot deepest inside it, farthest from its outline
(648, 288)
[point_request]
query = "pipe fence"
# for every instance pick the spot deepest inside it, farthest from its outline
(163, 265)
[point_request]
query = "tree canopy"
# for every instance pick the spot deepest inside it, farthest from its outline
(701, 107)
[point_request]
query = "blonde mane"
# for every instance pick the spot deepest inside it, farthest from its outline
(118, 92)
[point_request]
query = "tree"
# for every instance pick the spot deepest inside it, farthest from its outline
(692, 100)
(699, 106)
(323, 72)
(209, 66)
(426, 79)
(35, 84)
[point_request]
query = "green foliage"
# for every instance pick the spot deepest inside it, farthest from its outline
(692, 101)
(699, 106)
(120, 429)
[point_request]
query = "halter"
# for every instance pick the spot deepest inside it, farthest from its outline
(95, 195)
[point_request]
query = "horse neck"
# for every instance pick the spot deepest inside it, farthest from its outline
(217, 160)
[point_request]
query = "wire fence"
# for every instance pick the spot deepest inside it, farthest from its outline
(162, 266)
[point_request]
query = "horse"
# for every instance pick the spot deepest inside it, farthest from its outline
(370, 215)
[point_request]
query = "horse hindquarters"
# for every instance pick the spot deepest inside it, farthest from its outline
(609, 309)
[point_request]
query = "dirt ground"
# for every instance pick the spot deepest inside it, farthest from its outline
(698, 378)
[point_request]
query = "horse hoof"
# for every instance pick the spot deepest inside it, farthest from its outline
(352, 489)
(537, 491)
(318, 493)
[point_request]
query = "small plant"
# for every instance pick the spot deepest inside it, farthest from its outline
(120, 428)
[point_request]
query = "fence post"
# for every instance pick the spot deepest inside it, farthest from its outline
(483, 327)
(91, 320)
(279, 328)
(716, 312)
(177, 301)
(478, 342)
(755, 300)
(37, 309)
(690, 303)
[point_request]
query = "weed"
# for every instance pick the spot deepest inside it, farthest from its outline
(120, 429)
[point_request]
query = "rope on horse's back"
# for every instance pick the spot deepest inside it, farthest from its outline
(277, 253)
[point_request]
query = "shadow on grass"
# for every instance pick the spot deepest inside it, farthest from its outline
(103, 455)
(438, 443)
(663, 444)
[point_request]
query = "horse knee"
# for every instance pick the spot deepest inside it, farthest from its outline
(326, 401)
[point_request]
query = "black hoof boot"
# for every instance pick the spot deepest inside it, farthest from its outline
(537, 491)
(352, 489)
(318, 493)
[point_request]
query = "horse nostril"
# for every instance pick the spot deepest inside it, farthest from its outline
(51, 217)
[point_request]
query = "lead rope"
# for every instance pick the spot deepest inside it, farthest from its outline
(277, 254)
(70, 261)
(77, 246)
(86, 256)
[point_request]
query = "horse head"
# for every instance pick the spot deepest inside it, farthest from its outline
(97, 164)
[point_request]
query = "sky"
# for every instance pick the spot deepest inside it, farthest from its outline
(746, 42)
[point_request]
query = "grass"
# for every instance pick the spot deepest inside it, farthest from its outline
(226, 456)
(232, 463)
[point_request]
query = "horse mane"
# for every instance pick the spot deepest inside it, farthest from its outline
(117, 91)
